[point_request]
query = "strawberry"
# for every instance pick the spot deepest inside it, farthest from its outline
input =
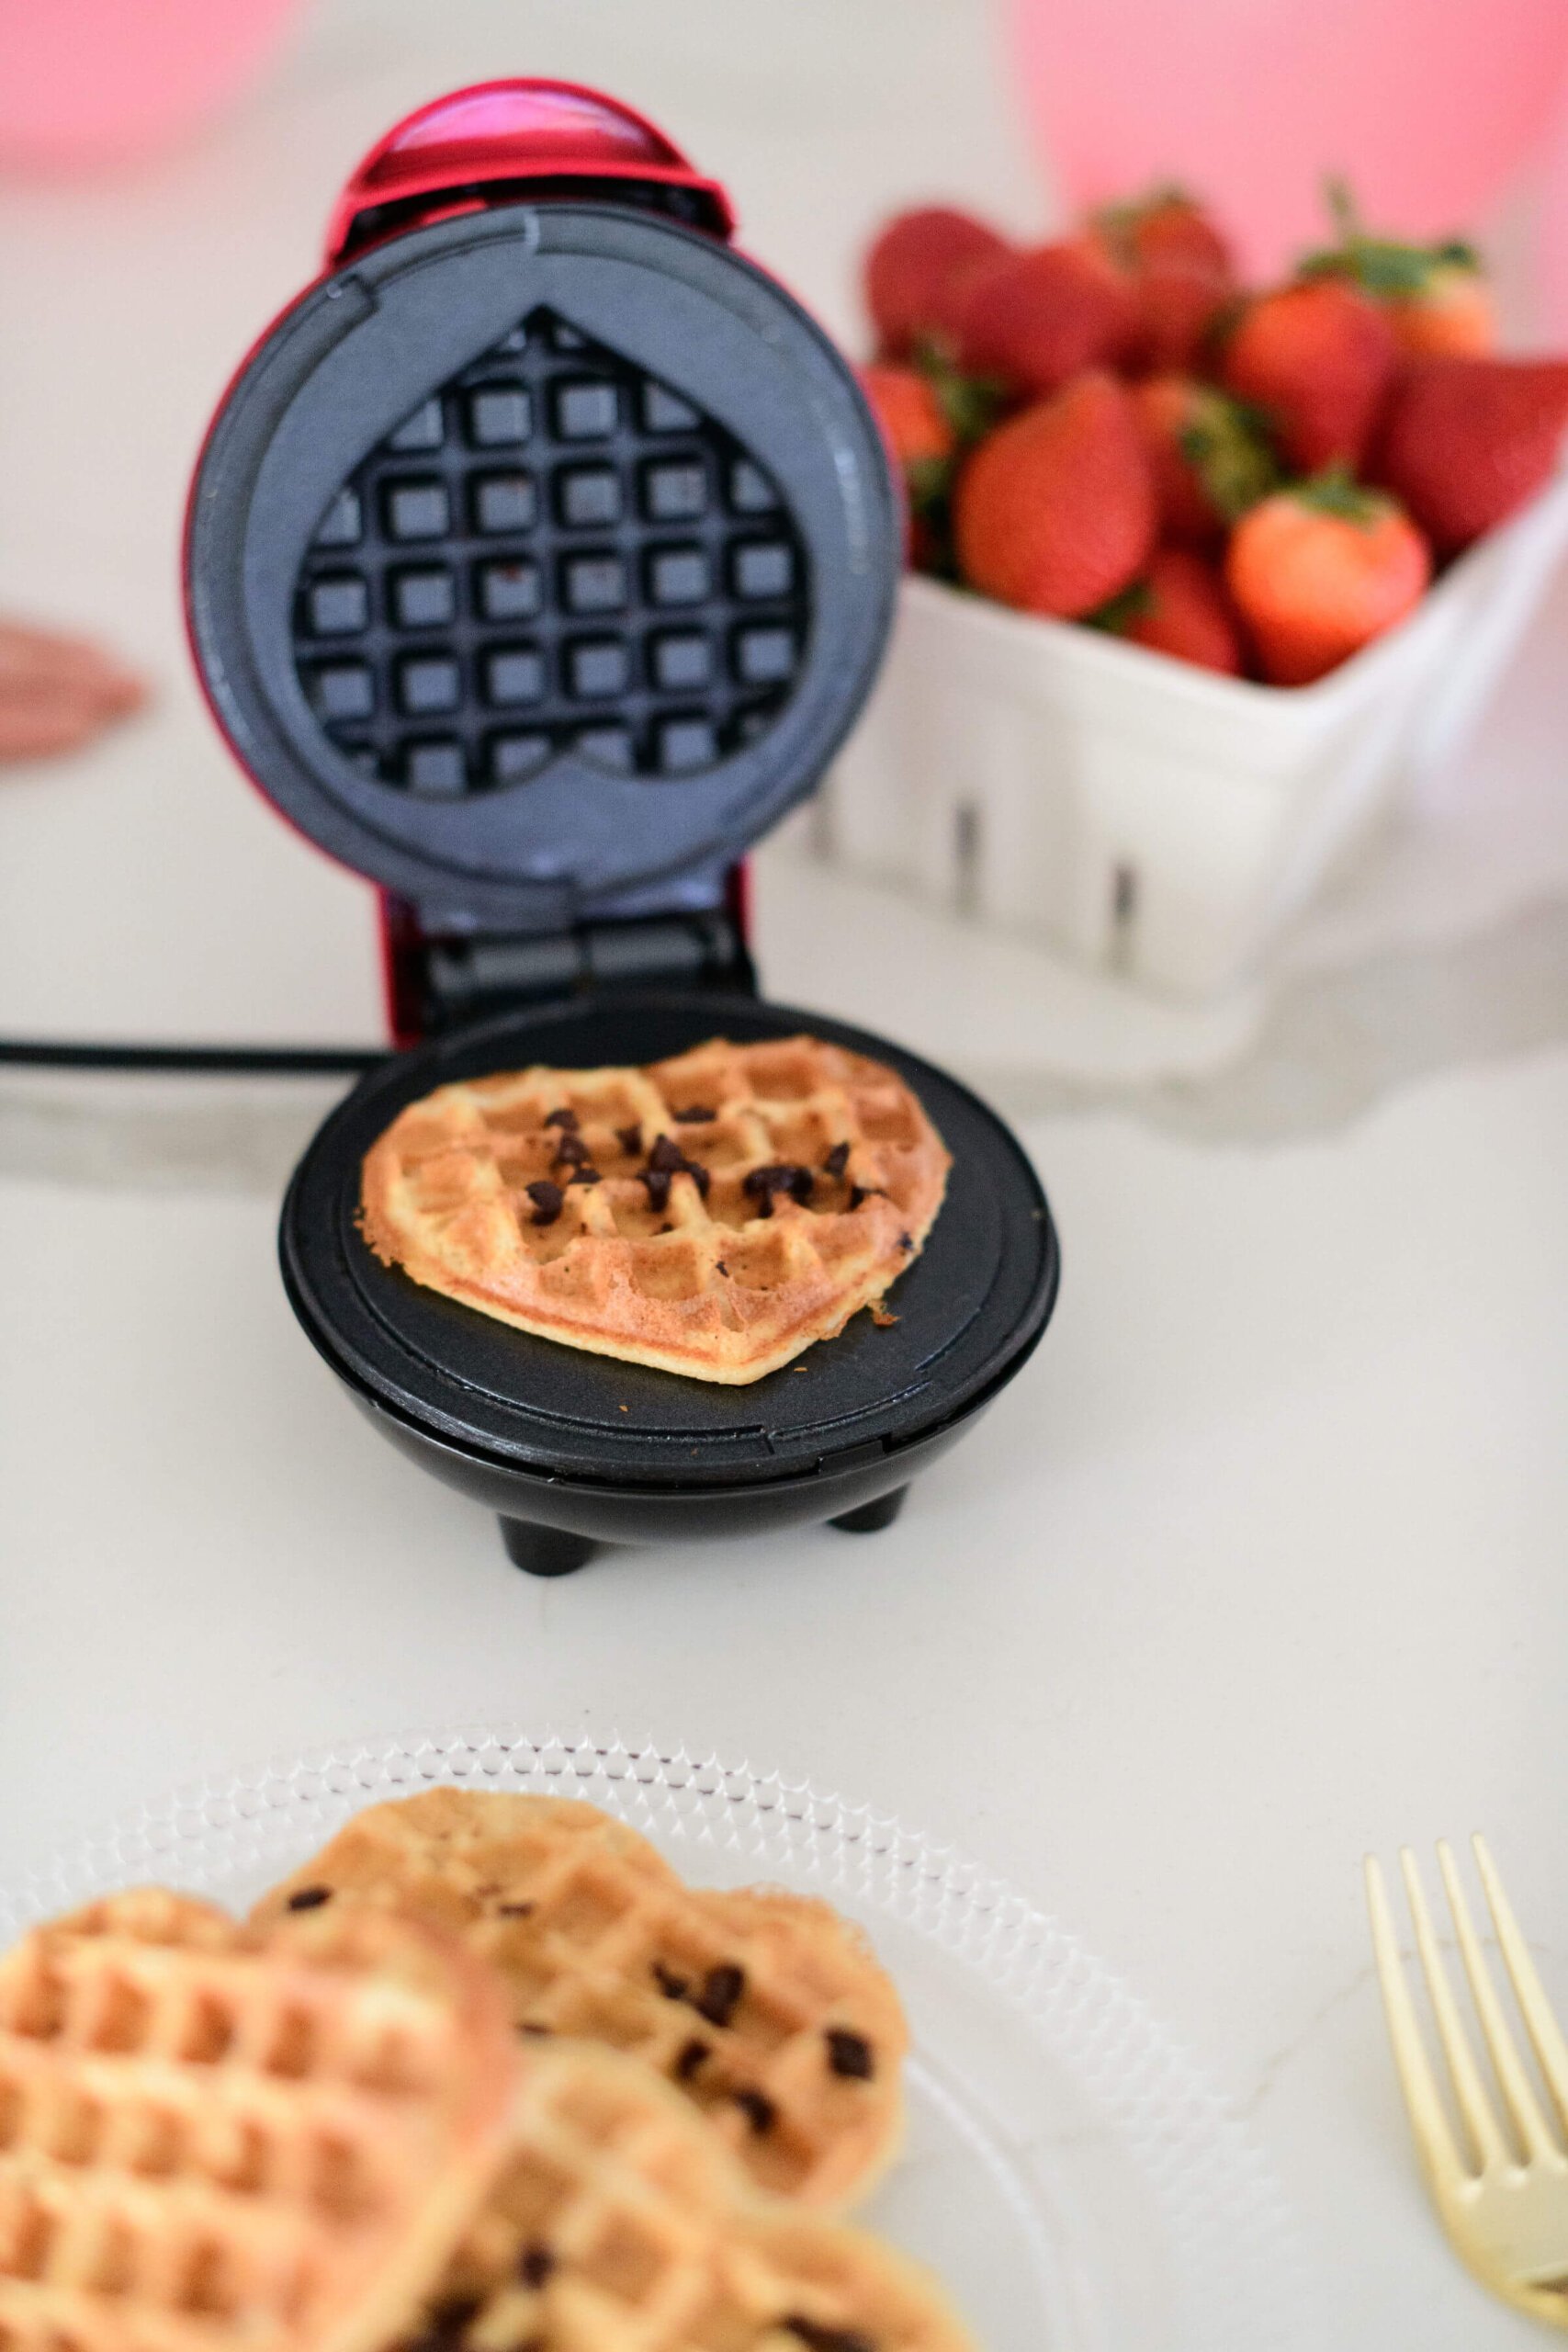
(920, 443)
(1468, 439)
(1318, 357)
(1320, 570)
(1182, 270)
(1055, 511)
(1211, 460)
(1434, 296)
(1178, 606)
(1035, 318)
(912, 416)
(915, 273)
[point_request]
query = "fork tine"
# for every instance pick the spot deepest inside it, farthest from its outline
(1429, 2120)
(1546, 2039)
(1469, 2093)
(1518, 2095)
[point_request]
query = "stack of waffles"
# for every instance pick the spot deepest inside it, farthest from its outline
(712, 1215)
(485, 2075)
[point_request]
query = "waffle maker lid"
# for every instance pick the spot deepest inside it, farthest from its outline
(542, 552)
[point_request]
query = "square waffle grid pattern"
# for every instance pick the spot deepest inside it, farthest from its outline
(617, 2224)
(554, 551)
(744, 1199)
(769, 2014)
(207, 2135)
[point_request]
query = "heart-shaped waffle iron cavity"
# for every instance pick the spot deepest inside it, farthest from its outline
(618, 2225)
(767, 2009)
(712, 1215)
(554, 551)
(212, 2135)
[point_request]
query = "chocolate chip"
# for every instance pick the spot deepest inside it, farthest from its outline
(665, 1161)
(673, 1987)
(693, 2054)
(309, 1899)
(586, 1176)
(905, 1241)
(719, 1267)
(535, 2266)
(562, 1118)
(818, 2338)
(838, 1159)
(449, 2322)
(514, 1910)
(850, 2054)
(571, 1150)
(547, 1199)
(760, 1183)
(630, 1140)
(720, 1995)
(758, 2109)
(692, 1115)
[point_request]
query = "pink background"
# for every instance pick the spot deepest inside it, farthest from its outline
(89, 83)
(1431, 107)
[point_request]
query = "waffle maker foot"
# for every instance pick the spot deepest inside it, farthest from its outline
(544, 1551)
(556, 1551)
(872, 1517)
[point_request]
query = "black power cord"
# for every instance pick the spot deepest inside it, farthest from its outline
(206, 1061)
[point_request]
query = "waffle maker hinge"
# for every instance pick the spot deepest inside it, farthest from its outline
(435, 980)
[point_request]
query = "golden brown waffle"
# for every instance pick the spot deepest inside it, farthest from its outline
(619, 2225)
(768, 2009)
(713, 1215)
(214, 2137)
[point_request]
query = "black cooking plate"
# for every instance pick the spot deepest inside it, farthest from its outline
(852, 1412)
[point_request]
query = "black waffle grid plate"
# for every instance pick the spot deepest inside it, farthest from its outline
(554, 550)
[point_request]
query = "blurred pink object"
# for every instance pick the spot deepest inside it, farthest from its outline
(1551, 244)
(85, 83)
(1427, 109)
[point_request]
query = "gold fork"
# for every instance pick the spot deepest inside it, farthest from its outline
(1502, 2202)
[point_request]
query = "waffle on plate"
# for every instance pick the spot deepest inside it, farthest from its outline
(767, 2009)
(712, 1215)
(619, 2224)
(212, 2135)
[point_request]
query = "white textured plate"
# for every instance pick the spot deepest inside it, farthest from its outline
(1067, 2171)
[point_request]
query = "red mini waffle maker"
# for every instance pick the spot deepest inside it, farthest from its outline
(538, 558)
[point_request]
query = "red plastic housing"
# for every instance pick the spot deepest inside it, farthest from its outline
(439, 160)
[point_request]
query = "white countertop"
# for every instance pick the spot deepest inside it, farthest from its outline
(1259, 1565)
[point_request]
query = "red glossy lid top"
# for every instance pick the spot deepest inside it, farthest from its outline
(508, 130)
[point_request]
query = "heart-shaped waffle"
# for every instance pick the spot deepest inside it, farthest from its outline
(213, 2136)
(712, 1215)
(767, 2009)
(619, 2225)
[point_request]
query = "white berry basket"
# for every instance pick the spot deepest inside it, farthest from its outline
(1157, 819)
